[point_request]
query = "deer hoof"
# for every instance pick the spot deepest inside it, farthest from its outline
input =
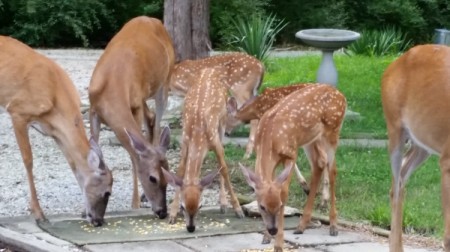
(266, 239)
(172, 219)
(223, 209)
(42, 220)
(334, 231)
(306, 191)
(278, 249)
(298, 230)
(240, 214)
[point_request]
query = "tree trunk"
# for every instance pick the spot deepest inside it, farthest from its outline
(187, 22)
(200, 32)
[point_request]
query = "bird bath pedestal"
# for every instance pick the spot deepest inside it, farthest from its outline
(328, 41)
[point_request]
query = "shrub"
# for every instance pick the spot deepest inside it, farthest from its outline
(389, 41)
(223, 12)
(51, 22)
(256, 35)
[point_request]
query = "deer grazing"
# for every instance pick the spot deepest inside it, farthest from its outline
(135, 66)
(415, 97)
(36, 92)
(204, 116)
(312, 118)
(255, 108)
(244, 75)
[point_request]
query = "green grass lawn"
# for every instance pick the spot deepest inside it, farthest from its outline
(364, 175)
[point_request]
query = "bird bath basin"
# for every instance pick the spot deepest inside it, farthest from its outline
(327, 40)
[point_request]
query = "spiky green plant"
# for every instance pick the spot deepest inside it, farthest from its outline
(256, 34)
(388, 41)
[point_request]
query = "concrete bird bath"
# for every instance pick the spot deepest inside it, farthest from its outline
(328, 41)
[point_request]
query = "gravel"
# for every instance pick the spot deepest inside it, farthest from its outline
(56, 186)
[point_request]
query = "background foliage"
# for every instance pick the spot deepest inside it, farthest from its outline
(52, 23)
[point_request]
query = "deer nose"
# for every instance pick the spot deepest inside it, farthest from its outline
(161, 213)
(190, 229)
(97, 222)
(273, 231)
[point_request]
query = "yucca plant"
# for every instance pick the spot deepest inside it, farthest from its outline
(388, 41)
(256, 34)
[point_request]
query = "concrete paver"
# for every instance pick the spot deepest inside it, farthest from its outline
(139, 247)
(321, 236)
(23, 233)
(227, 243)
(369, 247)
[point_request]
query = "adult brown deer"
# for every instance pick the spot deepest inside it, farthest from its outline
(415, 92)
(204, 115)
(135, 66)
(35, 91)
(255, 108)
(312, 118)
(244, 75)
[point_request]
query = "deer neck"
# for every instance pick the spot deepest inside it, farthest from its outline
(73, 142)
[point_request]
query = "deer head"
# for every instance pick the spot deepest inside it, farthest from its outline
(268, 196)
(191, 192)
(97, 188)
(152, 161)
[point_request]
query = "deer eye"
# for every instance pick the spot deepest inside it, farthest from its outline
(262, 208)
(153, 179)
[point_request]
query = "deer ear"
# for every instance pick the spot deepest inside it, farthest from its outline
(285, 173)
(251, 177)
(95, 157)
(164, 141)
(232, 105)
(172, 179)
(208, 179)
(137, 144)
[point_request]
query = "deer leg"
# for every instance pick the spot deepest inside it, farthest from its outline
(301, 180)
(23, 141)
(331, 174)
(223, 196)
(218, 149)
(445, 185)
(138, 115)
(315, 156)
(160, 105)
(149, 123)
(401, 170)
(174, 207)
(251, 139)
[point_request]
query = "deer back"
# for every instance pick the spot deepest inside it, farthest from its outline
(244, 74)
(255, 108)
(136, 63)
(204, 113)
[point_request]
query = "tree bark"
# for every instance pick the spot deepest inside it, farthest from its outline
(200, 28)
(187, 22)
